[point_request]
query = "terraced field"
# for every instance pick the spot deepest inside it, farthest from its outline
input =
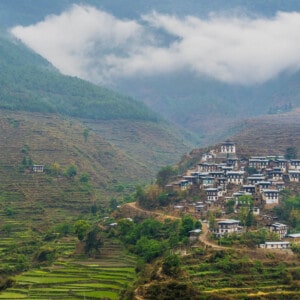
(252, 275)
(78, 278)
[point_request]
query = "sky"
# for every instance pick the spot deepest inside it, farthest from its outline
(97, 46)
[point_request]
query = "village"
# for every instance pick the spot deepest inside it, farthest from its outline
(221, 177)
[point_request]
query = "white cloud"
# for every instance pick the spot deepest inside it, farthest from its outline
(94, 45)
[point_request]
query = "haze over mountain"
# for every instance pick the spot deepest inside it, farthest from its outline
(202, 64)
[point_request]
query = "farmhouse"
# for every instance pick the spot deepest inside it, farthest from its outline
(227, 227)
(235, 177)
(212, 194)
(38, 168)
(258, 163)
(270, 196)
(294, 176)
(275, 245)
(228, 148)
(294, 164)
(280, 229)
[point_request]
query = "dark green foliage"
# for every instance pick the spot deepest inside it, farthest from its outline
(149, 248)
(291, 153)
(71, 171)
(171, 265)
(150, 238)
(86, 134)
(250, 170)
(94, 209)
(165, 175)
(64, 229)
(249, 219)
(113, 203)
(93, 241)
(84, 177)
(187, 224)
(46, 254)
(230, 206)
(81, 229)
(32, 85)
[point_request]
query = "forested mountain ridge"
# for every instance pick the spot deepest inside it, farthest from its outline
(30, 83)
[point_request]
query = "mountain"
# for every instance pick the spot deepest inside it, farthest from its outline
(29, 83)
(198, 103)
(264, 135)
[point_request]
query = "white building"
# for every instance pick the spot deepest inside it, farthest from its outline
(270, 196)
(275, 245)
(228, 226)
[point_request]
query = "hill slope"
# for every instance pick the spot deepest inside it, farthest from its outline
(265, 135)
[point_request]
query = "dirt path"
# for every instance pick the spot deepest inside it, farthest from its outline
(159, 215)
(204, 238)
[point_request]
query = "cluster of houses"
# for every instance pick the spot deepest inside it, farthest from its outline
(222, 176)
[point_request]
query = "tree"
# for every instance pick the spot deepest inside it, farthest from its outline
(249, 219)
(84, 177)
(165, 175)
(81, 229)
(71, 171)
(230, 206)
(93, 241)
(86, 132)
(187, 224)
(171, 265)
(291, 153)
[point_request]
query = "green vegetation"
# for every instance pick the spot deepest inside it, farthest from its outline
(40, 88)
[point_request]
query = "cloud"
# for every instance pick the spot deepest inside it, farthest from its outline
(96, 46)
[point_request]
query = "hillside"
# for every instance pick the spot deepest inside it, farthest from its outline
(197, 102)
(30, 83)
(265, 135)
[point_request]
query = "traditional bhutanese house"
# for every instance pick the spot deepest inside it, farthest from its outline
(282, 164)
(279, 228)
(181, 185)
(258, 163)
(216, 174)
(250, 188)
(238, 194)
(221, 182)
(276, 174)
(208, 181)
(255, 178)
(228, 147)
(207, 167)
(260, 186)
(38, 168)
(192, 179)
(294, 236)
(212, 194)
(280, 185)
(275, 245)
(194, 234)
(226, 169)
(294, 176)
(200, 208)
(228, 226)
(270, 196)
(294, 164)
(235, 177)
(206, 157)
(233, 162)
